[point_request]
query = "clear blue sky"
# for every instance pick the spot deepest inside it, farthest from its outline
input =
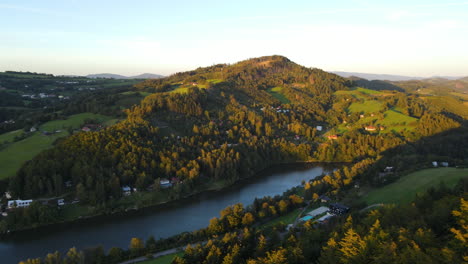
(418, 38)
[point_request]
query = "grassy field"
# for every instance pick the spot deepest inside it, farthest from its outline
(276, 92)
(14, 155)
(180, 90)
(368, 106)
(73, 121)
(368, 91)
(448, 103)
(9, 136)
(136, 93)
(395, 117)
(405, 189)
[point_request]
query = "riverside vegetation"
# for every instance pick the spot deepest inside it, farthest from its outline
(231, 121)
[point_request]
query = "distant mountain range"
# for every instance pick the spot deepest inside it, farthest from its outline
(389, 77)
(117, 76)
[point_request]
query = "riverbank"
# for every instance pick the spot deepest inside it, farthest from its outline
(141, 202)
(165, 221)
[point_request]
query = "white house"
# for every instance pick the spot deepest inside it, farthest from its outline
(126, 190)
(319, 128)
(19, 203)
(435, 164)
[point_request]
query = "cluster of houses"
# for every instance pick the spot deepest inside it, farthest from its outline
(87, 88)
(44, 95)
(325, 213)
(163, 183)
(277, 109)
(9, 122)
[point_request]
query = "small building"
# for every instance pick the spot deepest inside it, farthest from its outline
(126, 190)
(325, 218)
(19, 203)
(318, 211)
(338, 209)
(435, 164)
(370, 128)
(444, 164)
(324, 199)
(8, 195)
(33, 129)
(388, 169)
(61, 202)
(332, 137)
(319, 128)
(165, 183)
(85, 129)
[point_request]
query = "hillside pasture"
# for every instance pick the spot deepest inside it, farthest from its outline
(73, 121)
(407, 187)
(277, 93)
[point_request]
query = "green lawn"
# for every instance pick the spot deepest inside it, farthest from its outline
(276, 92)
(180, 90)
(368, 91)
(405, 188)
(73, 121)
(167, 259)
(368, 106)
(214, 81)
(394, 117)
(14, 155)
(9, 136)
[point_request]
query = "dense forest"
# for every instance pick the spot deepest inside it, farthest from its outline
(222, 123)
(227, 122)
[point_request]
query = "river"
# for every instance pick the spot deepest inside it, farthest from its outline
(162, 221)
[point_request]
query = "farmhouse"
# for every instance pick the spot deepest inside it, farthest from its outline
(370, 128)
(19, 203)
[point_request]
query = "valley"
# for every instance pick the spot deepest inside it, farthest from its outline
(124, 149)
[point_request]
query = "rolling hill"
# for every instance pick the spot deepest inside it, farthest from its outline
(117, 76)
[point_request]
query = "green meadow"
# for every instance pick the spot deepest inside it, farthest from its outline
(407, 187)
(277, 93)
(15, 154)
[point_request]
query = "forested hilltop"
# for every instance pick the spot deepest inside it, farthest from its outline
(212, 126)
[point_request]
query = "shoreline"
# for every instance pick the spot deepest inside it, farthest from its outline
(135, 211)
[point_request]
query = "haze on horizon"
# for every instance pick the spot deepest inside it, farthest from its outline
(421, 38)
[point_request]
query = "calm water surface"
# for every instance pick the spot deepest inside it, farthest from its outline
(164, 221)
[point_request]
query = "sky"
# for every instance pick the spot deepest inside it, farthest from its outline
(414, 38)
